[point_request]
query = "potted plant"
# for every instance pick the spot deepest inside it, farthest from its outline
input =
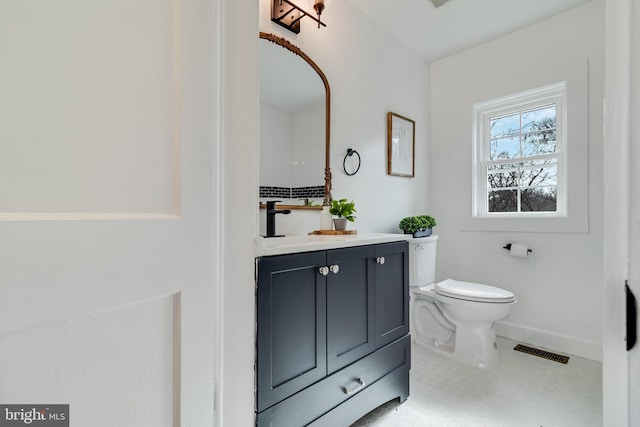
(344, 210)
(419, 225)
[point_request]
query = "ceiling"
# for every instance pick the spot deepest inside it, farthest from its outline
(434, 33)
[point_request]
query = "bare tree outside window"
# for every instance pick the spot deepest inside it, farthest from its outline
(522, 174)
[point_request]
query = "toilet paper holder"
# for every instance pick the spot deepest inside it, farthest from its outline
(508, 247)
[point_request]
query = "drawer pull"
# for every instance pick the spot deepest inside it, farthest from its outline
(361, 385)
(380, 260)
(334, 269)
(324, 270)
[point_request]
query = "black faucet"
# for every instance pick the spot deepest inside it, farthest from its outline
(271, 217)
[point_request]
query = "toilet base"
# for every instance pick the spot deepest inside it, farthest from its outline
(437, 332)
(471, 346)
(476, 345)
(433, 343)
(463, 330)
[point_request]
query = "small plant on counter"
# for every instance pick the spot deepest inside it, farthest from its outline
(419, 225)
(344, 210)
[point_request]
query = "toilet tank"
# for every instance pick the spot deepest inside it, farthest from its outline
(422, 260)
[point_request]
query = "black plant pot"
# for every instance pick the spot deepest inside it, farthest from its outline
(422, 233)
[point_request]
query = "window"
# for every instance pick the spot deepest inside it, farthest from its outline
(519, 156)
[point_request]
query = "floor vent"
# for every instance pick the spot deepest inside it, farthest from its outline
(542, 353)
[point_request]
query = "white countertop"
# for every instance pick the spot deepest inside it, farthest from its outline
(307, 243)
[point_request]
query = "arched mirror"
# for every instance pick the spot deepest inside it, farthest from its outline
(294, 124)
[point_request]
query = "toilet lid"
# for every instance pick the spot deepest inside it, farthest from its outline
(473, 291)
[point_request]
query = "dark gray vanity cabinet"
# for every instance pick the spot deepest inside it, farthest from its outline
(332, 334)
(391, 293)
(350, 305)
(291, 332)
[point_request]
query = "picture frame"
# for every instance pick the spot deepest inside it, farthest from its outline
(401, 143)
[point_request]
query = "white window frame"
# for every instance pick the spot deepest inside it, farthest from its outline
(513, 104)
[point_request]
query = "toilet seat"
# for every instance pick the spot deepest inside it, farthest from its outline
(473, 292)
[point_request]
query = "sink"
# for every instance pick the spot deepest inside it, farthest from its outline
(306, 243)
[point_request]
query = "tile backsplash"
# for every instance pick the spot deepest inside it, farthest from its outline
(292, 192)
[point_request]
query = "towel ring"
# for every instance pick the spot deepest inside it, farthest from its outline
(351, 152)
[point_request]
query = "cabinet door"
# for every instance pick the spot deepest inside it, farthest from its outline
(350, 303)
(291, 328)
(392, 292)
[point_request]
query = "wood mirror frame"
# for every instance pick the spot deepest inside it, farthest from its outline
(296, 50)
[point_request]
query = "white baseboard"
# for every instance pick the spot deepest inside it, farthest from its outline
(550, 341)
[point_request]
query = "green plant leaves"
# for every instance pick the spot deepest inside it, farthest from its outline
(411, 224)
(343, 209)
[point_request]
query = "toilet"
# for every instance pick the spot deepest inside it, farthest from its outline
(453, 317)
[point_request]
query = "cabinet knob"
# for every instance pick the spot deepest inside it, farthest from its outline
(380, 260)
(334, 268)
(324, 270)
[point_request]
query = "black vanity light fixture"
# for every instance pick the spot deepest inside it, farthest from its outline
(287, 14)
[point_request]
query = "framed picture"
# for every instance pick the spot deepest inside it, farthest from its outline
(401, 143)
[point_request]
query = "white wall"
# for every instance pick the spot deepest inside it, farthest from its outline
(559, 287)
(370, 73)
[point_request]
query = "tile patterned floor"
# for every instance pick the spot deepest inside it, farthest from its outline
(526, 391)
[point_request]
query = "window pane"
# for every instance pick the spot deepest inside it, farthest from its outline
(505, 148)
(540, 176)
(502, 180)
(504, 126)
(539, 118)
(503, 201)
(539, 142)
(540, 199)
(539, 131)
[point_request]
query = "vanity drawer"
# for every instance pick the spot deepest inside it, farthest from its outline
(314, 401)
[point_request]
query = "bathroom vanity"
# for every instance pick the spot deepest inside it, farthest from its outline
(332, 335)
